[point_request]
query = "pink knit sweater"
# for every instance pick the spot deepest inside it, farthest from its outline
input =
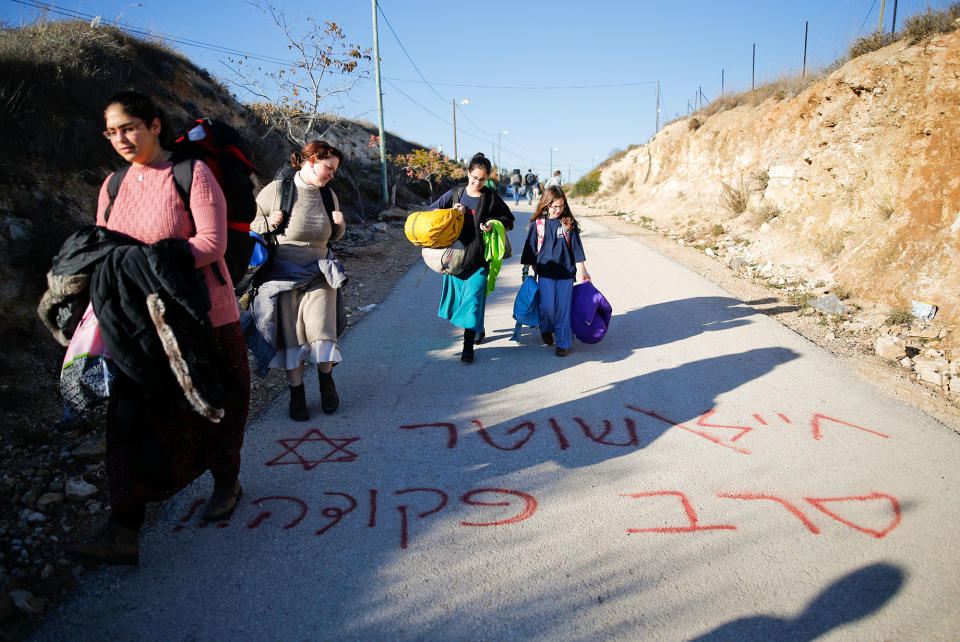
(149, 208)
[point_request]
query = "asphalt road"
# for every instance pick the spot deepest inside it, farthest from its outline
(701, 472)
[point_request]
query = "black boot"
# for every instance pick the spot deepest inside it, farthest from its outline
(298, 404)
(467, 355)
(222, 503)
(329, 400)
(114, 545)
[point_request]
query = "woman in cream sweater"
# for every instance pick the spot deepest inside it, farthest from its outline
(301, 294)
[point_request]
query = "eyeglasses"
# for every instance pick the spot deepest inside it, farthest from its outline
(555, 206)
(126, 130)
(477, 179)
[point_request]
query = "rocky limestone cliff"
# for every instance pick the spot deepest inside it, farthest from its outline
(854, 182)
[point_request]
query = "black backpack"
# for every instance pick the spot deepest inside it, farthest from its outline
(530, 179)
(220, 147)
(288, 196)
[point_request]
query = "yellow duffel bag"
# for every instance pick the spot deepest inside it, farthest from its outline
(435, 228)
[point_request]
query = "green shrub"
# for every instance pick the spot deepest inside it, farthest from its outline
(587, 185)
(898, 316)
(876, 40)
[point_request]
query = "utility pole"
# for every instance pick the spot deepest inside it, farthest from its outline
(722, 89)
(453, 103)
(893, 27)
(883, 4)
(383, 145)
(806, 26)
(658, 108)
(753, 69)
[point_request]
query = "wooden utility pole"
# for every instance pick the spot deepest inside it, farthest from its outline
(883, 4)
(806, 27)
(893, 27)
(753, 69)
(383, 144)
(722, 90)
(658, 108)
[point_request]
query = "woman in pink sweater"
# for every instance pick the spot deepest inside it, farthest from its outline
(149, 208)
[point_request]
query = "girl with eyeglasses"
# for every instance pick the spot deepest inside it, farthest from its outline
(156, 443)
(554, 250)
(464, 297)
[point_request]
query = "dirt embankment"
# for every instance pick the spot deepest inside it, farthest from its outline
(854, 184)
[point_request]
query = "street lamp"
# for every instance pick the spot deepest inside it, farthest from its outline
(552, 149)
(499, 155)
(453, 103)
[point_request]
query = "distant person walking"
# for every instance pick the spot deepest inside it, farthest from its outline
(554, 181)
(515, 183)
(530, 181)
(156, 443)
(554, 250)
(295, 310)
(464, 297)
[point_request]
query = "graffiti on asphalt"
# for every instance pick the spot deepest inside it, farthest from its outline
(509, 507)
(882, 509)
(607, 432)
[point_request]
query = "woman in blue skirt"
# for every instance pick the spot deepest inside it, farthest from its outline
(464, 296)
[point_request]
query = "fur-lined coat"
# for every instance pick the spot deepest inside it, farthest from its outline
(151, 305)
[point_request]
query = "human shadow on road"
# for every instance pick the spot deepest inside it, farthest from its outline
(611, 421)
(850, 598)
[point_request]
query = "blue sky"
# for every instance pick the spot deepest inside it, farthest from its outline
(576, 76)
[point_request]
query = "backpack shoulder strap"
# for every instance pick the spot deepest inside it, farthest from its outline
(183, 180)
(455, 194)
(326, 195)
(113, 186)
(288, 194)
(539, 233)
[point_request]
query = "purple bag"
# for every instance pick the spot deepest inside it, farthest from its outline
(590, 313)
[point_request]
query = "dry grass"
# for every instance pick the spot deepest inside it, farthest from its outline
(766, 213)
(759, 181)
(617, 180)
(733, 199)
(693, 124)
(917, 28)
(899, 316)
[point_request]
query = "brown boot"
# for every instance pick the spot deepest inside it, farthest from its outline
(222, 502)
(329, 399)
(114, 545)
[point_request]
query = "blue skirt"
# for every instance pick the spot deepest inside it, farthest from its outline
(463, 301)
(556, 297)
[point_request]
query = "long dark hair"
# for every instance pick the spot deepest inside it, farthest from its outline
(315, 149)
(141, 106)
(550, 194)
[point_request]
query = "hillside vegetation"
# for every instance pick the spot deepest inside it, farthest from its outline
(54, 79)
(850, 185)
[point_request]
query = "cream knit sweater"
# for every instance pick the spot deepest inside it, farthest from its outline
(308, 225)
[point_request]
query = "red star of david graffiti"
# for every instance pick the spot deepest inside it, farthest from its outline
(338, 452)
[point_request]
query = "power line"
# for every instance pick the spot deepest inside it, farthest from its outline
(140, 32)
(402, 48)
(533, 87)
(866, 17)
